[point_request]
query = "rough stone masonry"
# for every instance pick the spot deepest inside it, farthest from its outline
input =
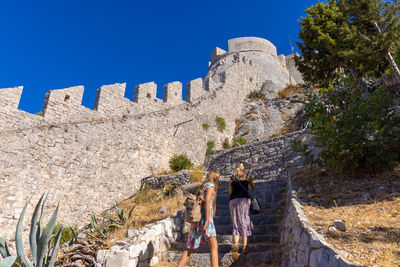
(89, 159)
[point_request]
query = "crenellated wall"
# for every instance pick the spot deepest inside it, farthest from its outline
(88, 159)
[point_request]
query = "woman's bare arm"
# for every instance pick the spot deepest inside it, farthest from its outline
(230, 186)
(250, 179)
(209, 196)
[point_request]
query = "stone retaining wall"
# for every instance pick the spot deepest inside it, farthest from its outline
(143, 247)
(264, 159)
(301, 245)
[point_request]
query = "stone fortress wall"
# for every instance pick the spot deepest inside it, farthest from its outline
(88, 159)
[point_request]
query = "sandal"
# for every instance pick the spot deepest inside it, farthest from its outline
(244, 250)
(235, 254)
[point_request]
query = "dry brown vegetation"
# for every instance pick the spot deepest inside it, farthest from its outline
(369, 206)
(290, 90)
(144, 206)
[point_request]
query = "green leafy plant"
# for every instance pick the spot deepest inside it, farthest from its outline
(256, 95)
(206, 126)
(210, 147)
(180, 162)
(68, 233)
(354, 126)
(221, 124)
(44, 252)
(107, 222)
(239, 141)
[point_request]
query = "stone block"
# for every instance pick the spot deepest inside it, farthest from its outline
(119, 258)
(319, 257)
(216, 53)
(172, 93)
(194, 89)
(10, 97)
(135, 250)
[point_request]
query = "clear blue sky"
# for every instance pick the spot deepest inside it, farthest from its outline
(57, 44)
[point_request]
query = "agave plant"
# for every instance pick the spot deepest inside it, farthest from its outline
(44, 253)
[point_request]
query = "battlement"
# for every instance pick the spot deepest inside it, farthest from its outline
(10, 97)
(251, 43)
(64, 105)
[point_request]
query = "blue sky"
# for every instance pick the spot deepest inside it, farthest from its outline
(57, 44)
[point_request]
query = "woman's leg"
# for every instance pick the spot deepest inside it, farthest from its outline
(213, 244)
(236, 240)
(184, 257)
(244, 241)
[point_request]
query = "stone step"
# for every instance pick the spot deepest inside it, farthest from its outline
(226, 248)
(264, 205)
(276, 211)
(224, 199)
(256, 219)
(253, 259)
(228, 239)
(258, 229)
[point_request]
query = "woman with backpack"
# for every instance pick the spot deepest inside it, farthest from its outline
(204, 230)
(239, 206)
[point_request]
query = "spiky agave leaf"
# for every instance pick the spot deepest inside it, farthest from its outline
(3, 248)
(8, 261)
(45, 238)
(33, 231)
(40, 225)
(53, 257)
(18, 235)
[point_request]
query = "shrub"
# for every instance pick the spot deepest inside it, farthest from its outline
(355, 127)
(197, 174)
(206, 126)
(210, 147)
(221, 124)
(239, 141)
(180, 162)
(289, 90)
(226, 144)
(256, 95)
(67, 233)
(145, 194)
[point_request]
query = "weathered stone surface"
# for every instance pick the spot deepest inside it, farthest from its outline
(105, 152)
(319, 257)
(119, 258)
(339, 224)
(300, 244)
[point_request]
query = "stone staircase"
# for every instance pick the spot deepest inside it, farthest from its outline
(263, 245)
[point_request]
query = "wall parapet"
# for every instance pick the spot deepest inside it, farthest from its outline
(301, 245)
(145, 246)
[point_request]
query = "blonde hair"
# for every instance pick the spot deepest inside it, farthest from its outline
(238, 169)
(212, 177)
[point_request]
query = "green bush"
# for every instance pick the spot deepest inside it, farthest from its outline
(206, 126)
(239, 141)
(355, 127)
(255, 95)
(180, 162)
(210, 147)
(67, 233)
(226, 144)
(221, 124)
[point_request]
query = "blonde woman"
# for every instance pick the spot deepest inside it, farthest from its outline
(239, 206)
(205, 229)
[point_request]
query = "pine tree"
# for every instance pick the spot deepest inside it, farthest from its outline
(341, 36)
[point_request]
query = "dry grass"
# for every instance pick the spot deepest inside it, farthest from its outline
(145, 210)
(290, 90)
(197, 173)
(372, 236)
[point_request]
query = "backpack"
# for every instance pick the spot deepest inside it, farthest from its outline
(193, 207)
